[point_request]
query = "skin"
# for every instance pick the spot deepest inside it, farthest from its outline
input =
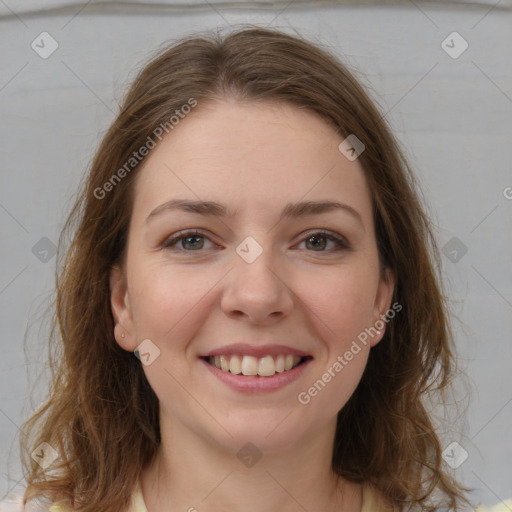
(255, 158)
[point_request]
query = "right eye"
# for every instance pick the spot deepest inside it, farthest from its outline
(191, 238)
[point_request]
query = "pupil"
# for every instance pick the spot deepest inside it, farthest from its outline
(316, 245)
(193, 238)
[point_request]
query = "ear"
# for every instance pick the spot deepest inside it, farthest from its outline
(382, 304)
(121, 311)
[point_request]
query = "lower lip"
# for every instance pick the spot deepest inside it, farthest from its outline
(254, 383)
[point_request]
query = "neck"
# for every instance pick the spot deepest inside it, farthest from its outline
(194, 474)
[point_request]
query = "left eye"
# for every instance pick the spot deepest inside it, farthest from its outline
(194, 241)
(339, 242)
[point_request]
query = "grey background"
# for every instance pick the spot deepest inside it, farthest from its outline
(453, 116)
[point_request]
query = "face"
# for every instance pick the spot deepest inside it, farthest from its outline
(255, 279)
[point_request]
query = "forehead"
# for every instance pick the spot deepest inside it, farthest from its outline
(252, 156)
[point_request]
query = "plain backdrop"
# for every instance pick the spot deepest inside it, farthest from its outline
(449, 105)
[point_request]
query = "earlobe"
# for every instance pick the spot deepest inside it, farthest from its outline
(383, 304)
(121, 312)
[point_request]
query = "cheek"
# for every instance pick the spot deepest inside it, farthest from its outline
(164, 300)
(341, 314)
(343, 302)
(328, 393)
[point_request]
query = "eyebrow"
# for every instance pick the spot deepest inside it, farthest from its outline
(291, 210)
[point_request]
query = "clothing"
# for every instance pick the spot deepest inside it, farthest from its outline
(372, 502)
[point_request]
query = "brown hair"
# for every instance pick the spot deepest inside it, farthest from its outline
(104, 430)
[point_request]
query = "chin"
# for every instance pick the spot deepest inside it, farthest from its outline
(269, 431)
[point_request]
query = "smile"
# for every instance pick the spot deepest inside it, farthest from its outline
(270, 379)
(247, 365)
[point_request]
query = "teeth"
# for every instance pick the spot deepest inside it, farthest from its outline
(224, 363)
(267, 367)
(249, 365)
(280, 364)
(234, 365)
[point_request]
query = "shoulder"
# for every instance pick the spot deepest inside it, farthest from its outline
(14, 503)
(375, 501)
(57, 507)
(137, 504)
(504, 506)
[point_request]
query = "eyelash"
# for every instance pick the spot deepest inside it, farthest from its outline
(340, 242)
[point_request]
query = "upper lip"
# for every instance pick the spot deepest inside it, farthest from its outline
(258, 351)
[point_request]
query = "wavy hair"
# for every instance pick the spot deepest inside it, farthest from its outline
(104, 430)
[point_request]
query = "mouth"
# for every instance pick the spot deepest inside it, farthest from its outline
(251, 366)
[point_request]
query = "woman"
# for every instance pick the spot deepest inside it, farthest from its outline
(249, 311)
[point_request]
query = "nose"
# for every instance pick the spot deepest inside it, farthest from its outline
(257, 292)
